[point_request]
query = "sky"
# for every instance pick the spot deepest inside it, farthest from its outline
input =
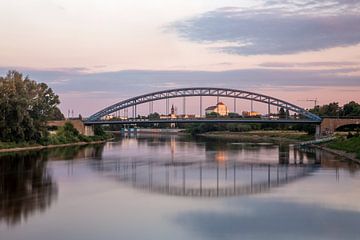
(95, 53)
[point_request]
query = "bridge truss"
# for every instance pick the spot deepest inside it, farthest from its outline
(203, 92)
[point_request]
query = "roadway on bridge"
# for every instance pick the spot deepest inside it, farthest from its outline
(202, 120)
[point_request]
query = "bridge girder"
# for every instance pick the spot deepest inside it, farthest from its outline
(202, 91)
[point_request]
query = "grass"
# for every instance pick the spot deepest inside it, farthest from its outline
(293, 135)
(261, 135)
(7, 145)
(351, 145)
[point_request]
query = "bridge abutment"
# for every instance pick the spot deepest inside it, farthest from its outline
(77, 123)
(89, 130)
(329, 125)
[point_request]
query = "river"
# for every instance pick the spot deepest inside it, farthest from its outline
(177, 187)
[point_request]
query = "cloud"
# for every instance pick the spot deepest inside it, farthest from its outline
(276, 27)
(131, 82)
(87, 92)
(307, 64)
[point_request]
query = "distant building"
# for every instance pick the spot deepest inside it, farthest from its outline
(220, 109)
(173, 113)
(108, 117)
(186, 116)
(251, 114)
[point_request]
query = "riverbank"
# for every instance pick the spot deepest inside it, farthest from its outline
(261, 136)
(350, 156)
(39, 147)
(348, 147)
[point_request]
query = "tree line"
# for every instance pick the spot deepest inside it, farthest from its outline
(333, 109)
(25, 106)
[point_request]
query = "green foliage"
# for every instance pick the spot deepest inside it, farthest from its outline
(154, 116)
(351, 109)
(334, 110)
(351, 145)
(196, 128)
(25, 106)
(309, 128)
(199, 128)
(329, 110)
(99, 131)
(7, 145)
(65, 134)
(57, 115)
(233, 115)
(69, 134)
(212, 115)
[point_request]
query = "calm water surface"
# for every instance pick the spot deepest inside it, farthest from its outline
(169, 187)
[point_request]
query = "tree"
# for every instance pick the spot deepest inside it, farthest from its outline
(351, 109)
(212, 115)
(328, 110)
(57, 115)
(25, 106)
(233, 115)
(154, 116)
(282, 113)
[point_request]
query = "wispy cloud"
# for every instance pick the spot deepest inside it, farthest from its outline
(309, 64)
(131, 82)
(276, 27)
(89, 92)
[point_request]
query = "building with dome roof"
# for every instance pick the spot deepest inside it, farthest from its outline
(220, 109)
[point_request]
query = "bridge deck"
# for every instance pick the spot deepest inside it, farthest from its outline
(202, 120)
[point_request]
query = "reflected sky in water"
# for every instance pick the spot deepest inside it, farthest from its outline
(168, 187)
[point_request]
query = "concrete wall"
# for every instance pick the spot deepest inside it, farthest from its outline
(77, 123)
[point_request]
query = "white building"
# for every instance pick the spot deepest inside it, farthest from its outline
(220, 108)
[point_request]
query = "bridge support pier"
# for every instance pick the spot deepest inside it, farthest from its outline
(318, 132)
(89, 130)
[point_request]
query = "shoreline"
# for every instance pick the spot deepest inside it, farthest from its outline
(349, 156)
(267, 136)
(273, 136)
(40, 147)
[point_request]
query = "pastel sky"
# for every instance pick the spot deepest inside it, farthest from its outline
(94, 52)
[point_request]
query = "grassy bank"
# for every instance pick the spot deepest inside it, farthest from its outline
(8, 145)
(261, 136)
(350, 145)
(64, 136)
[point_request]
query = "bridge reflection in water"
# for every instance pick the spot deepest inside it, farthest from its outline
(207, 179)
(218, 175)
(179, 167)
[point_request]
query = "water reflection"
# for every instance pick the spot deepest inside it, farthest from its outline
(259, 219)
(204, 179)
(207, 168)
(169, 165)
(27, 185)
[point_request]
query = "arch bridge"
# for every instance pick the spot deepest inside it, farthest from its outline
(324, 127)
(304, 115)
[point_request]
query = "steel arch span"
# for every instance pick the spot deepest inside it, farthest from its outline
(202, 91)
